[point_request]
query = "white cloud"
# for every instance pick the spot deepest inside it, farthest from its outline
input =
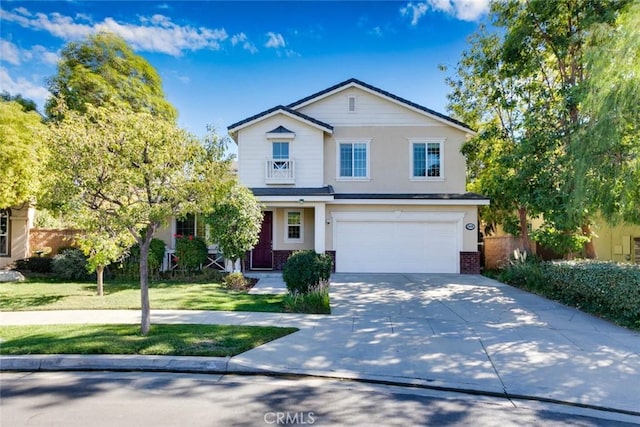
(15, 55)
(24, 87)
(275, 40)
(153, 34)
(243, 40)
(415, 11)
(9, 52)
(465, 10)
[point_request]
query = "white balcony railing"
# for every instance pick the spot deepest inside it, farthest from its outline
(280, 172)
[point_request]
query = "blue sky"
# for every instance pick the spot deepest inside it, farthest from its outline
(221, 62)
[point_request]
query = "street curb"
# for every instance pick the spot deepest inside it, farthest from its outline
(225, 365)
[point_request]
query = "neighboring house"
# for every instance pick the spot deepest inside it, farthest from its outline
(15, 224)
(373, 179)
(620, 243)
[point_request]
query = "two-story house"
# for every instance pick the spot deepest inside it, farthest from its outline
(373, 179)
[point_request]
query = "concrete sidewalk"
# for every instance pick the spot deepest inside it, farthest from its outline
(448, 331)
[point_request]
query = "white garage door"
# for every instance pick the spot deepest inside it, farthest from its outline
(397, 246)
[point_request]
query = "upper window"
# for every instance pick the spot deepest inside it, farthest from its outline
(294, 230)
(280, 151)
(4, 232)
(353, 160)
(426, 160)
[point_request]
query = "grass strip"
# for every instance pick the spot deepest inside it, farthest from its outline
(50, 295)
(174, 340)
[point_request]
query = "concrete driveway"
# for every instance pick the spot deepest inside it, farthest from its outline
(462, 331)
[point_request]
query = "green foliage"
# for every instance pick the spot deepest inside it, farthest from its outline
(22, 154)
(607, 148)
(521, 86)
(523, 272)
(103, 70)
(27, 104)
(70, 264)
(560, 242)
(35, 264)
(305, 271)
(235, 222)
(129, 267)
(191, 252)
(235, 281)
(315, 301)
(603, 288)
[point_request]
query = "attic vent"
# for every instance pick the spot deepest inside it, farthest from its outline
(352, 104)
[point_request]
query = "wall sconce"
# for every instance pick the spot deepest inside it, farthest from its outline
(301, 201)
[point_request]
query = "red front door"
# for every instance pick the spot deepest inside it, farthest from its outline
(262, 253)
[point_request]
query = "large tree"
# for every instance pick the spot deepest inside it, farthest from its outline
(22, 154)
(133, 172)
(103, 70)
(533, 75)
(607, 151)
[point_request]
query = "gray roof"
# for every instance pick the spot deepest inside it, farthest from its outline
(329, 191)
(282, 108)
(280, 129)
(411, 196)
(293, 191)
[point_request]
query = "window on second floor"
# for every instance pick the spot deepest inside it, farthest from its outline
(280, 155)
(353, 160)
(426, 160)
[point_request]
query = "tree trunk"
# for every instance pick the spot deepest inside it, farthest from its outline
(145, 319)
(100, 274)
(524, 230)
(589, 247)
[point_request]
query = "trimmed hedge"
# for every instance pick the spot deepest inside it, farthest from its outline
(604, 288)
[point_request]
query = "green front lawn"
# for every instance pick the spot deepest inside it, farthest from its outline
(50, 295)
(178, 340)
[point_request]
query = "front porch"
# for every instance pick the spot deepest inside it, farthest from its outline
(294, 219)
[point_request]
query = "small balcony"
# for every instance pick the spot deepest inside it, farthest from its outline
(280, 172)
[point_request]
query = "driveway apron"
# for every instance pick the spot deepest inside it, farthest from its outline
(462, 331)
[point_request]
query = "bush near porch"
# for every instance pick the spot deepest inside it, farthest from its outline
(605, 289)
(307, 274)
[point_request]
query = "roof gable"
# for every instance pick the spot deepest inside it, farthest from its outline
(381, 93)
(280, 109)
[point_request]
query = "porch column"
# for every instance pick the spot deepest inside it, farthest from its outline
(320, 228)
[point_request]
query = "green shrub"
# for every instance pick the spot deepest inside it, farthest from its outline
(602, 288)
(129, 267)
(235, 281)
(523, 272)
(313, 302)
(70, 264)
(35, 264)
(191, 252)
(305, 271)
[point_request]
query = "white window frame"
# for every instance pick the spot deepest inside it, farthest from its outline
(5, 216)
(367, 143)
(287, 239)
(426, 141)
